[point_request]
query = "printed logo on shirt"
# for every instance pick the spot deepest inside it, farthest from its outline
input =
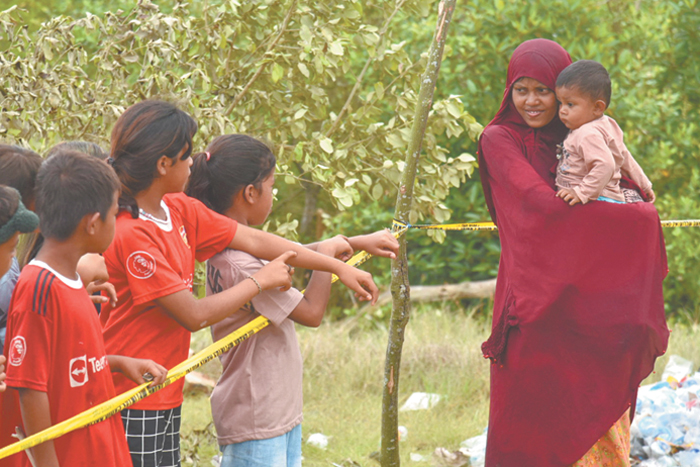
(18, 349)
(78, 371)
(183, 234)
(141, 265)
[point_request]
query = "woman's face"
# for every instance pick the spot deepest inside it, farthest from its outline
(534, 101)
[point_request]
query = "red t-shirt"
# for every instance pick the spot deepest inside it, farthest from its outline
(149, 259)
(54, 345)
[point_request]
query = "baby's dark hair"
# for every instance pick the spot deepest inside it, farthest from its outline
(18, 169)
(71, 185)
(230, 163)
(589, 77)
(143, 134)
(9, 202)
(86, 147)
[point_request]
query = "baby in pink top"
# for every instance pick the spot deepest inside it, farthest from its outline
(593, 157)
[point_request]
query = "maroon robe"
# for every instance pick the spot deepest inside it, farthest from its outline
(578, 313)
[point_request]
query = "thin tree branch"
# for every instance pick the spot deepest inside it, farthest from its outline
(283, 28)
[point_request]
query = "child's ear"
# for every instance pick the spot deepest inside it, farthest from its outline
(162, 165)
(250, 193)
(91, 223)
(599, 107)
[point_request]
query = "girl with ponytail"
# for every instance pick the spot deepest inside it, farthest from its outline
(160, 232)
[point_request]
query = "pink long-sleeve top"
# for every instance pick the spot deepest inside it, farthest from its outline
(594, 158)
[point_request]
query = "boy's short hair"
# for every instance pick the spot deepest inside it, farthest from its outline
(71, 185)
(589, 77)
(18, 169)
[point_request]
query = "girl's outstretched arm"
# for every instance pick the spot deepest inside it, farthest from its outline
(194, 314)
(267, 246)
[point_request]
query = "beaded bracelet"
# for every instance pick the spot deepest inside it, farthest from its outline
(256, 283)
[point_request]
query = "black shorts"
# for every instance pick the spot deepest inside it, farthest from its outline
(153, 436)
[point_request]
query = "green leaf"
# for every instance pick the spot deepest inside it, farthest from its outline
(304, 70)
(277, 72)
(326, 145)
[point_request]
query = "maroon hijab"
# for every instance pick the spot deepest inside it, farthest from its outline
(578, 313)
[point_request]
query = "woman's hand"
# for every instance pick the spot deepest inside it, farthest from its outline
(569, 196)
(276, 273)
(380, 243)
(2, 373)
(101, 286)
(138, 370)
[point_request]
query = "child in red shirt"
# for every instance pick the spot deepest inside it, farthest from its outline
(57, 364)
(160, 233)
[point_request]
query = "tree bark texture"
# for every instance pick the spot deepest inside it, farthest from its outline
(400, 289)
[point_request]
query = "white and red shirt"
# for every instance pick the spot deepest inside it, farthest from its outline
(149, 259)
(54, 345)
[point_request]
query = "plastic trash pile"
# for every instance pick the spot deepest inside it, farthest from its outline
(666, 427)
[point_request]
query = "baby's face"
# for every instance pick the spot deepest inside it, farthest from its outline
(576, 108)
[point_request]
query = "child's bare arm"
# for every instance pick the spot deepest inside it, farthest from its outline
(36, 416)
(2, 373)
(379, 243)
(137, 369)
(195, 314)
(310, 310)
(91, 267)
(266, 246)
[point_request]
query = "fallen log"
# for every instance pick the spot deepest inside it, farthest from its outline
(441, 293)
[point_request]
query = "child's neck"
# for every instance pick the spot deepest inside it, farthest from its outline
(62, 256)
(149, 201)
(237, 214)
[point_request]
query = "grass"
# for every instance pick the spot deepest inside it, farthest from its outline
(343, 373)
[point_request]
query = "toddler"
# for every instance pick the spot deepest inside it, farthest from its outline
(593, 158)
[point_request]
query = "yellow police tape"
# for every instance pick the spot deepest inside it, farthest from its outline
(117, 404)
(401, 227)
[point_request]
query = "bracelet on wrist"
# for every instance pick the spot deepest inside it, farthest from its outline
(256, 283)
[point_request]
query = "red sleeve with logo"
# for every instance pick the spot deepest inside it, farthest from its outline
(212, 232)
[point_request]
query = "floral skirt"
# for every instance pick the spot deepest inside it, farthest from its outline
(613, 449)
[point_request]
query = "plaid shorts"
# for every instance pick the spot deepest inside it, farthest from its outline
(153, 436)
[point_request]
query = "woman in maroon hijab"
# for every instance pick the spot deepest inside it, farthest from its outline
(578, 313)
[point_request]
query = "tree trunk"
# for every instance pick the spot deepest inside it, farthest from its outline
(400, 290)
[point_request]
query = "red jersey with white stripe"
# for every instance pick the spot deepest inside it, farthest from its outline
(54, 345)
(149, 259)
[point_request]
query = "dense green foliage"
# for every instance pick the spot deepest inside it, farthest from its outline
(335, 91)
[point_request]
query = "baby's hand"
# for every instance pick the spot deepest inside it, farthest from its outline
(651, 196)
(569, 196)
(277, 273)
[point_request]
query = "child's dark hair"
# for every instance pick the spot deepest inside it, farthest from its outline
(18, 169)
(71, 185)
(143, 134)
(9, 202)
(230, 163)
(86, 147)
(589, 77)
